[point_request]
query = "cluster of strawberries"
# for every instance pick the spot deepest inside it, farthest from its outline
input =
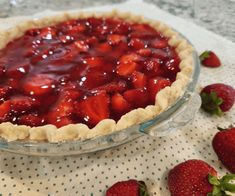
(196, 177)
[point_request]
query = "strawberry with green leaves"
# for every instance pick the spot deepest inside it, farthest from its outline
(197, 178)
(224, 146)
(209, 59)
(217, 98)
(128, 188)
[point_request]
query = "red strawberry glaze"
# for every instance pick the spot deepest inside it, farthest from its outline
(65, 73)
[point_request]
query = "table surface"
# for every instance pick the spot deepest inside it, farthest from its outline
(146, 158)
(217, 16)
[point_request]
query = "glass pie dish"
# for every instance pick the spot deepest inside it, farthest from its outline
(177, 115)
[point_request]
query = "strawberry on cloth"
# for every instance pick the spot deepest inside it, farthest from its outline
(224, 146)
(210, 59)
(196, 177)
(128, 188)
(217, 98)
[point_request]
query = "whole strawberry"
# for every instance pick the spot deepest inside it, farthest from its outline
(224, 146)
(197, 178)
(190, 178)
(209, 59)
(217, 98)
(128, 188)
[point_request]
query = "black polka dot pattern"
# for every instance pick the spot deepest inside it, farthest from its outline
(148, 159)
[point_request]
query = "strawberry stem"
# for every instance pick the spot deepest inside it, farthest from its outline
(224, 129)
(221, 129)
(204, 55)
(142, 189)
(211, 103)
(223, 186)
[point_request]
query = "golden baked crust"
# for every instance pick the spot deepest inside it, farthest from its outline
(164, 99)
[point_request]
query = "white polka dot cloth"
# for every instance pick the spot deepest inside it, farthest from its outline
(148, 159)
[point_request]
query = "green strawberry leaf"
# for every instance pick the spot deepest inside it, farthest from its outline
(228, 178)
(213, 180)
(216, 191)
(142, 189)
(223, 186)
(204, 55)
(211, 103)
(228, 187)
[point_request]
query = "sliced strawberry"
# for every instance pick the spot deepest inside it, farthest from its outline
(65, 27)
(63, 121)
(159, 43)
(139, 80)
(13, 83)
(136, 43)
(94, 22)
(102, 30)
(2, 70)
(153, 67)
(30, 51)
(155, 85)
(94, 61)
(70, 91)
(131, 57)
(125, 69)
(143, 31)
(137, 97)
(66, 39)
(78, 28)
(93, 109)
(18, 71)
(103, 48)
(47, 101)
(160, 54)
(44, 54)
(121, 28)
(32, 120)
(61, 108)
(81, 46)
(119, 50)
(143, 28)
(48, 33)
(4, 91)
(72, 94)
(119, 104)
(38, 84)
(63, 55)
(145, 52)
(94, 78)
(172, 68)
(117, 86)
(22, 104)
(33, 32)
(60, 114)
(92, 40)
(4, 110)
(115, 39)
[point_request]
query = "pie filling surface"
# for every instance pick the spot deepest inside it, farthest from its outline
(83, 71)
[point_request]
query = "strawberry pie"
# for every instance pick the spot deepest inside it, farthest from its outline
(77, 76)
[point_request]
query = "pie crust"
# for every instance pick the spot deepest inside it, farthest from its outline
(164, 99)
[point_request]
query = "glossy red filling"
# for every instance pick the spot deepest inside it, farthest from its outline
(83, 71)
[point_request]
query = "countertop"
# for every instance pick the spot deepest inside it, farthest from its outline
(215, 15)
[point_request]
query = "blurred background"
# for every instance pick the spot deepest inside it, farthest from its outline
(215, 15)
